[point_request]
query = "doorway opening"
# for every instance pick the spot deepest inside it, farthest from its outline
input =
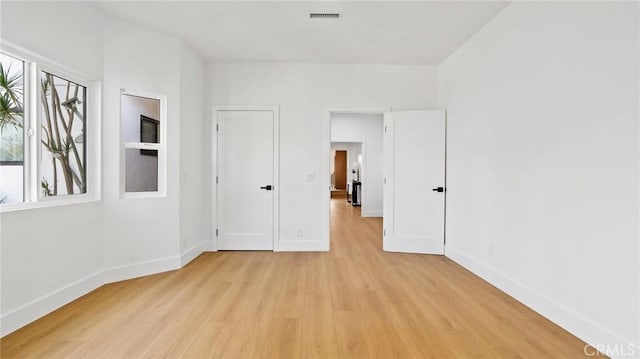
(346, 161)
(407, 169)
(355, 168)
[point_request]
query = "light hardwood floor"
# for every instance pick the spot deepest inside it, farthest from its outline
(355, 301)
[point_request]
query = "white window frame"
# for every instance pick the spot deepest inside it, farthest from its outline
(34, 64)
(160, 147)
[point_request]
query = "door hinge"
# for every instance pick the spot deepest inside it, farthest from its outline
(216, 232)
(217, 127)
(385, 129)
(384, 180)
(384, 232)
(216, 179)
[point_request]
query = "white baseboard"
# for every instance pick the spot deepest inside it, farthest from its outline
(193, 252)
(583, 328)
(303, 246)
(141, 269)
(371, 213)
(27, 313)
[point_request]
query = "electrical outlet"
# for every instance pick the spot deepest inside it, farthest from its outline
(300, 233)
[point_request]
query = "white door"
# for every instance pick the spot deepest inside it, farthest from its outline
(414, 171)
(245, 187)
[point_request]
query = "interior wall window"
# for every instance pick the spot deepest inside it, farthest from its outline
(142, 131)
(12, 125)
(46, 129)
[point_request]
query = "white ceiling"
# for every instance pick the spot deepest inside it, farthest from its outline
(389, 32)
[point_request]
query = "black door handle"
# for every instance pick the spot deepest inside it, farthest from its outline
(438, 189)
(267, 187)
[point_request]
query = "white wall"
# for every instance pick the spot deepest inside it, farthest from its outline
(47, 249)
(143, 230)
(80, 22)
(303, 92)
(542, 108)
(367, 129)
(192, 169)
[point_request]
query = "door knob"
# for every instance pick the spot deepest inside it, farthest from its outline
(267, 187)
(438, 189)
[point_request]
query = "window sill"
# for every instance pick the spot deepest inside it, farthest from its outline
(140, 195)
(14, 207)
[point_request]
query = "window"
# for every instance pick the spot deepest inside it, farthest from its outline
(62, 164)
(142, 132)
(12, 150)
(44, 143)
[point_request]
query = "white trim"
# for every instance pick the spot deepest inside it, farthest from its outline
(358, 110)
(193, 253)
(574, 323)
(142, 145)
(276, 167)
(276, 177)
(141, 269)
(94, 134)
(303, 246)
(371, 213)
(160, 147)
(326, 162)
(213, 244)
(32, 144)
(77, 199)
(35, 309)
(274, 108)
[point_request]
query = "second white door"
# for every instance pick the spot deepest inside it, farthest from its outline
(245, 181)
(414, 170)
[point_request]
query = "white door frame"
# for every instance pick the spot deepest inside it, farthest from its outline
(276, 168)
(326, 169)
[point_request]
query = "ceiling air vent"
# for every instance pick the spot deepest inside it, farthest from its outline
(324, 15)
